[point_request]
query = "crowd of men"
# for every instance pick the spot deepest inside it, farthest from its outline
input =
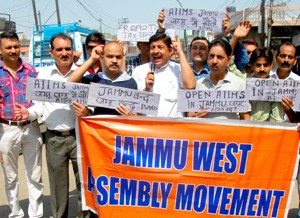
(223, 64)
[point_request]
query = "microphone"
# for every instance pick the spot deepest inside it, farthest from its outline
(153, 67)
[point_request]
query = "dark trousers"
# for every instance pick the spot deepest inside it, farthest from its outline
(59, 151)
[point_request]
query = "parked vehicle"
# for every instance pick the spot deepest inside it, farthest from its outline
(39, 48)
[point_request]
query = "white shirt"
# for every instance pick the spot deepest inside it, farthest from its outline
(60, 117)
(292, 75)
(167, 80)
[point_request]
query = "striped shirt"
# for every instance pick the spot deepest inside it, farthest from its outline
(13, 90)
(133, 63)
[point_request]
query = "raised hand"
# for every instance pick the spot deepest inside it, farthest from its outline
(177, 45)
(97, 52)
(226, 25)
(76, 56)
(242, 29)
(160, 20)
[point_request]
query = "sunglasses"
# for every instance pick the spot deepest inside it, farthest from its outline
(90, 47)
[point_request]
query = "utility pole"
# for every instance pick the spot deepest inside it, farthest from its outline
(35, 15)
(57, 12)
(100, 27)
(270, 22)
(262, 10)
(40, 20)
(125, 20)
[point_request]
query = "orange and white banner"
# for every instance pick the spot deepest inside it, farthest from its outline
(151, 167)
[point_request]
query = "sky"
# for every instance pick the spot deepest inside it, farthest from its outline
(90, 13)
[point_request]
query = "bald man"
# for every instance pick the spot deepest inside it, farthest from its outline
(111, 56)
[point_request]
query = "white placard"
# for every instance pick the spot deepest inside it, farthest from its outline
(56, 91)
(296, 106)
(112, 96)
(194, 19)
(272, 89)
(212, 100)
(140, 32)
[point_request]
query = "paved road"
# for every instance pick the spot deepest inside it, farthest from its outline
(4, 209)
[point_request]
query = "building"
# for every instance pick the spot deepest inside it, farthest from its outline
(286, 22)
(24, 47)
(7, 25)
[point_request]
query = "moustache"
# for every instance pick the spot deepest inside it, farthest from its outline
(13, 54)
(262, 72)
(113, 65)
(285, 64)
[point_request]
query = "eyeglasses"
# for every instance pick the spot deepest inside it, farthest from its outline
(283, 56)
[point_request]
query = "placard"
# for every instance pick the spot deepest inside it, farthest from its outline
(56, 91)
(111, 96)
(296, 106)
(140, 32)
(212, 101)
(272, 89)
(194, 19)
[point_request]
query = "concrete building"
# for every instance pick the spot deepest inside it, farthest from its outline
(286, 22)
(7, 25)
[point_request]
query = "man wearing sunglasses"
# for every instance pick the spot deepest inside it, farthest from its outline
(93, 40)
(250, 46)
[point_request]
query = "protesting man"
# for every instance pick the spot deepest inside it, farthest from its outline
(93, 40)
(16, 134)
(60, 134)
(220, 79)
(286, 59)
(250, 46)
(198, 55)
(198, 50)
(240, 58)
(165, 77)
(112, 58)
(261, 65)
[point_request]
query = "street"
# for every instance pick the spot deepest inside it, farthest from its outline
(23, 193)
(4, 208)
